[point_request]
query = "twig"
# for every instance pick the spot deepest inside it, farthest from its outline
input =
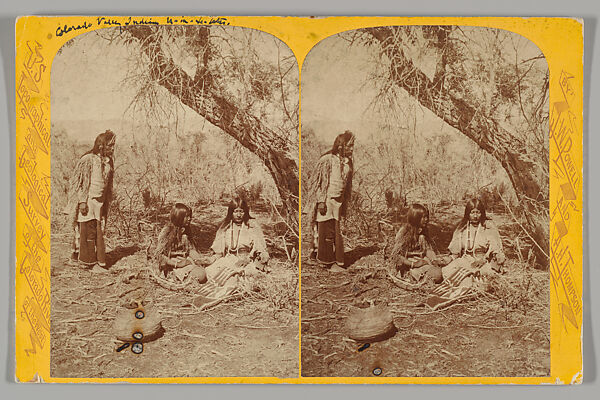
(406, 326)
(71, 321)
(439, 310)
(306, 336)
(520, 225)
(313, 301)
(186, 333)
(450, 354)
(452, 301)
(405, 285)
(334, 286)
(417, 332)
(216, 302)
(287, 253)
(261, 327)
(318, 318)
(100, 356)
(92, 289)
(90, 334)
(495, 326)
(291, 229)
(120, 295)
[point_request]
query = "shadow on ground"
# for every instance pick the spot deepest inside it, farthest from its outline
(119, 252)
(357, 253)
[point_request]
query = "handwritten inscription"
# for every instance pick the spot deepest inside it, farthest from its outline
(61, 30)
(563, 168)
(198, 21)
(106, 22)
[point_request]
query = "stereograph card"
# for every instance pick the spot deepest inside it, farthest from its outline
(212, 199)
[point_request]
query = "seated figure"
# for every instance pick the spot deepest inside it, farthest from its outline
(412, 254)
(476, 248)
(239, 242)
(175, 254)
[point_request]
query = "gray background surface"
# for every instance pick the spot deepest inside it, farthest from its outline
(589, 10)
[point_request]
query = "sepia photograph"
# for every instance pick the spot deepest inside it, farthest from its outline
(300, 200)
(425, 204)
(175, 204)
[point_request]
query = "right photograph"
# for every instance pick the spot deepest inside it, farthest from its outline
(425, 204)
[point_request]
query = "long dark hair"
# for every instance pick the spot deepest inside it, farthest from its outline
(102, 140)
(341, 141)
(178, 214)
(471, 204)
(236, 202)
(411, 229)
(174, 231)
(339, 144)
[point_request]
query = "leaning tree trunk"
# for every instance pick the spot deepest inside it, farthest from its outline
(457, 112)
(199, 94)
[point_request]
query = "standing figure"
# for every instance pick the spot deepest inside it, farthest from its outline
(330, 188)
(90, 192)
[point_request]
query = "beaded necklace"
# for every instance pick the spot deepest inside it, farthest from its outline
(470, 242)
(237, 241)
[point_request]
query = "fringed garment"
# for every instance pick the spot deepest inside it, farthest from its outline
(399, 253)
(92, 184)
(320, 191)
(243, 255)
(174, 247)
(478, 252)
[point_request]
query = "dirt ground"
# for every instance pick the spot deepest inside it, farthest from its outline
(503, 333)
(255, 335)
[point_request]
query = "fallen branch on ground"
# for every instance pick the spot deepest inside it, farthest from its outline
(405, 285)
(262, 327)
(496, 326)
(318, 318)
(218, 301)
(445, 304)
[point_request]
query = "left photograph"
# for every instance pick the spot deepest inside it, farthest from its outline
(174, 204)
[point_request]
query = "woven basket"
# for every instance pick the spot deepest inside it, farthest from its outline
(370, 324)
(126, 324)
